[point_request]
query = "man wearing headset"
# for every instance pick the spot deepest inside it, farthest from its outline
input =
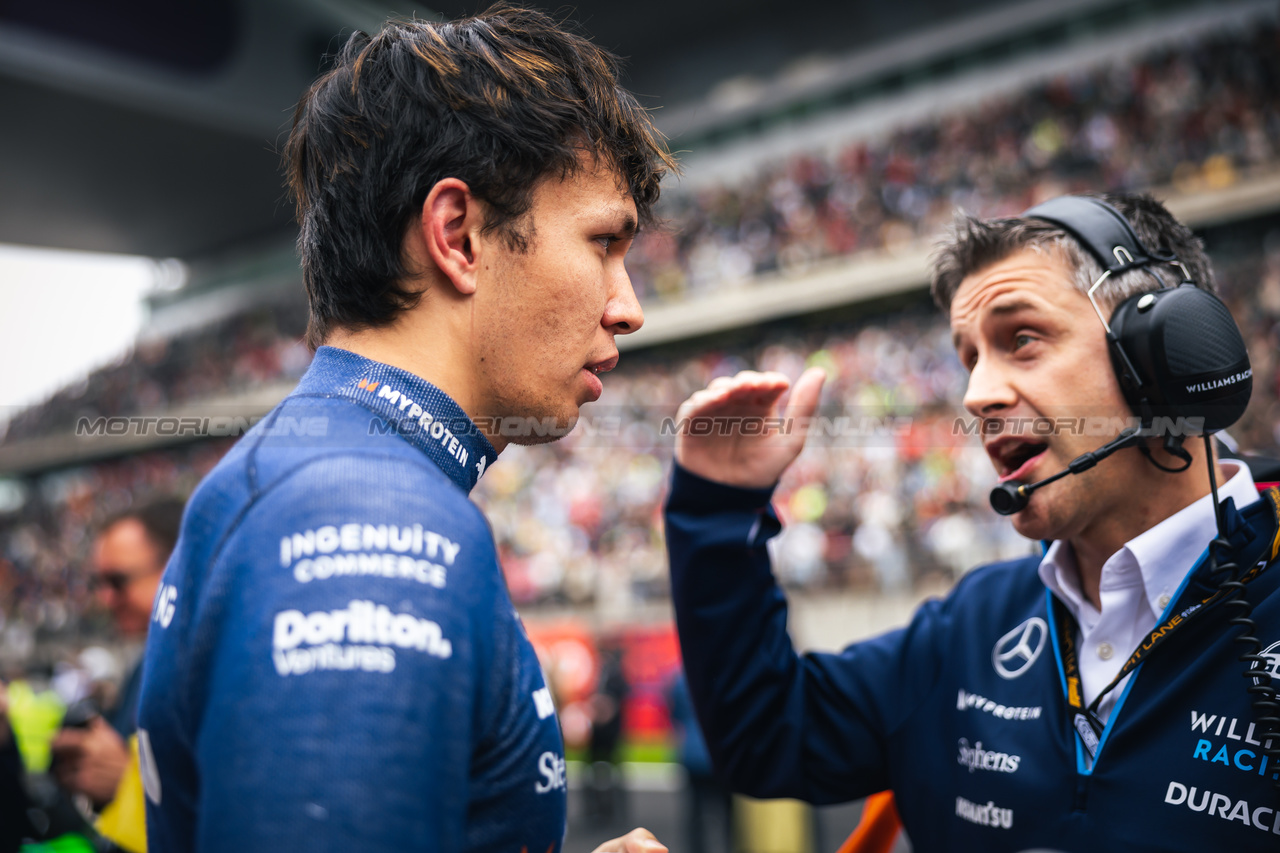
(334, 661)
(1011, 714)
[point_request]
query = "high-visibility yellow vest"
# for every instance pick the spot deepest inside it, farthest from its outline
(124, 820)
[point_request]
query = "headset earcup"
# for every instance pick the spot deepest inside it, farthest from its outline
(1189, 355)
(1133, 381)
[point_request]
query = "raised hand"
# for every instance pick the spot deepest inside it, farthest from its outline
(734, 431)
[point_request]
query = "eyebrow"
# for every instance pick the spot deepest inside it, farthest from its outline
(1001, 309)
(1013, 306)
(630, 228)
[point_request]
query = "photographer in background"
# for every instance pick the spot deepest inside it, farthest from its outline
(129, 556)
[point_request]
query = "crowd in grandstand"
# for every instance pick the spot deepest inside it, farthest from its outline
(1194, 116)
(578, 521)
(890, 494)
(242, 352)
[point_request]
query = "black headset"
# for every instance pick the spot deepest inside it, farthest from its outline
(1177, 351)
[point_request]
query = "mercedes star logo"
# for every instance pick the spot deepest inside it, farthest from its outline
(1017, 650)
(1272, 666)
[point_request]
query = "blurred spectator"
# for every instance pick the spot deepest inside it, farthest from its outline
(129, 557)
(606, 793)
(708, 806)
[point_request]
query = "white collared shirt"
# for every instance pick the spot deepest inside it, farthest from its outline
(1138, 583)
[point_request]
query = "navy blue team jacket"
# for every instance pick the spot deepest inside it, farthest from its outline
(334, 662)
(962, 713)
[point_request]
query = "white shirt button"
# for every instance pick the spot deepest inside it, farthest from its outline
(1105, 651)
(1163, 601)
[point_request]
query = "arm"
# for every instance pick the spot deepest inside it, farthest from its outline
(777, 724)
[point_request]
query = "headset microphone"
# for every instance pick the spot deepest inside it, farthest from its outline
(1008, 498)
(1184, 369)
(1178, 355)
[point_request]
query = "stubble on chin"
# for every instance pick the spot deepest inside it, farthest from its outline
(1032, 524)
(1058, 511)
(541, 422)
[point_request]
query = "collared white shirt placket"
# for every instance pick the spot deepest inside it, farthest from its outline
(1137, 584)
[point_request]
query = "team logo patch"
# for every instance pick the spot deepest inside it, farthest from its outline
(976, 758)
(1272, 654)
(984, 815)
(1264, 818)
(965, 701)
(1017, 650)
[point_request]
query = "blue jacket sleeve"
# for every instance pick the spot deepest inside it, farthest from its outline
(814, 727)
(339, 639)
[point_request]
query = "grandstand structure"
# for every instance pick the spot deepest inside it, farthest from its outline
(799, 233)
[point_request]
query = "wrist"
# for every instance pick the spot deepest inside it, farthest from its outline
(692, 491)
(735, 476)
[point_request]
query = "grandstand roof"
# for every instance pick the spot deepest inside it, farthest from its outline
(151, 127)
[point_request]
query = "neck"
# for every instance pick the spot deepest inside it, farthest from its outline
(1163, 495)
(428, 350)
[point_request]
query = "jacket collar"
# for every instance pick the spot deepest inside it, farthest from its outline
(407, 405)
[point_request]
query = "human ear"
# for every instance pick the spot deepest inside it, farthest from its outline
(452, 219)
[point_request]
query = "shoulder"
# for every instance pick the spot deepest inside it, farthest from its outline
(356, 537)
(347, 488)
(1018, 574)
(386, 477)
(370, 513)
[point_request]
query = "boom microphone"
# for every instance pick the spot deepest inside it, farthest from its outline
(1008, 498)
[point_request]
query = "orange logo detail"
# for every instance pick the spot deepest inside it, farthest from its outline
(367, 385)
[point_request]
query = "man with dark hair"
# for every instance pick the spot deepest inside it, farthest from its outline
(499, 102)
(1009, 715)
(129, 556)
(339, 665)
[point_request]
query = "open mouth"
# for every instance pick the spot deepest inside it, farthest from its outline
(602, 366)
(592, 373)
(1014, 459)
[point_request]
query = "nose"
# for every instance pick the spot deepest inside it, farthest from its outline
(990, 391)
(622, 313)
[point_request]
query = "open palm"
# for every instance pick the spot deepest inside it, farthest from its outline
(733, 431)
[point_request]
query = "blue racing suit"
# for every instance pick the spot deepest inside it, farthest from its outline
(963, 713)
(334, 662)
